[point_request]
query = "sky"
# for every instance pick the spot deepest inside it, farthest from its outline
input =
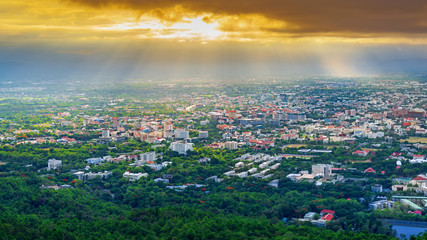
(186, 38)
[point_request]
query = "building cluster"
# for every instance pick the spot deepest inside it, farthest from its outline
(318, 219)
(260, 165)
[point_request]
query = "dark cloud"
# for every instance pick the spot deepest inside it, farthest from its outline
(305, 16)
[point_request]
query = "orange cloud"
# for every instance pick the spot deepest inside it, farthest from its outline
(307, 16)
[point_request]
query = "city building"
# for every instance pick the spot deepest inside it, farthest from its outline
(94, 160)
(283, 97)
(381, 204)
(105, 133)
(134, 176)
(181, 133)
(148, 156)
(181, 147)
(101, 175)
(377, 188)
(53, 164)
(322, 170)
(233, 145)
(203, 134)
(167, 129)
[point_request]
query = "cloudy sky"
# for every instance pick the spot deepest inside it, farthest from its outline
(141, 38)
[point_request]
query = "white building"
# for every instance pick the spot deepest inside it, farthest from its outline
(102, 175)
(203, 134)
(293, 176)
(231, 145)
(242, 174)
(80, 175)
(105, 133)
(382, 204)
(155, 167)
(161, 180)
(377, 188)
(230, 173)
(134, 176)
(417, 159)
(274, 183)
(181, 147)
(148, 156)
(181, 133)
(275, 166)
(323, 170)
(252, 170)
(239, 164)
(53, 164)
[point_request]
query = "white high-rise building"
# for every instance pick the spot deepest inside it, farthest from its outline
(148, 156)
(105, 133)
(181, 133)
(53, 164)
(324, 170)
(181, 147)
(231, 145)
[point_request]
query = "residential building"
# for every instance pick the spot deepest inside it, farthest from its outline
(53, 164)
(322, 170)
(377, 188)
(181, 147)
(232, 145)
(181, 133)
(94, 160)
(381, 204)
(134, 176)
(105, 133)
(203, 134)
(102, 175)
(148, 156)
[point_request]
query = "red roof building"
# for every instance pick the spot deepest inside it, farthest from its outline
(370, 170)
(362, 153)
(419, 178)
(327, 217)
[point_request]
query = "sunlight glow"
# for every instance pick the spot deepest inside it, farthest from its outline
(194, 28)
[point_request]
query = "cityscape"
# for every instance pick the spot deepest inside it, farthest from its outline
(213, 120)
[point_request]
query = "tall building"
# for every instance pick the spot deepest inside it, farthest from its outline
(105, 133)
(148, 156)
(324, 170)
(53, 164)
(86, 122)
(181, 147)
(181, 133)
(167, 129)
(116, 122)
(283, 97)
